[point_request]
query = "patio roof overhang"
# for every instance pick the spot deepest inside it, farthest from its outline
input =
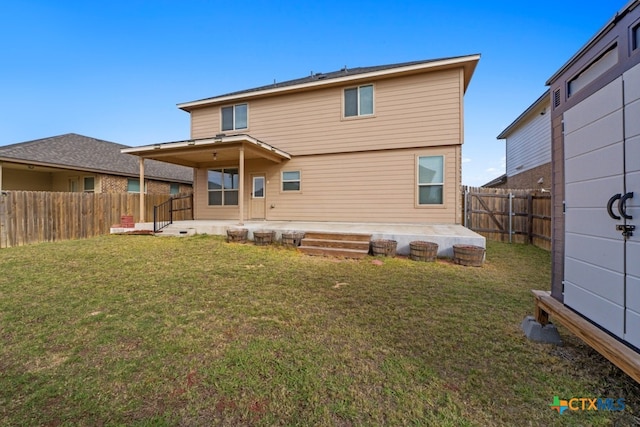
(206, 152)
(209, 152)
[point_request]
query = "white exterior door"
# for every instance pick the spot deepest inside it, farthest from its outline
(258, 197)
(602, 275)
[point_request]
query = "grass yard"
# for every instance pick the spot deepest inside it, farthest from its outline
(137, 330)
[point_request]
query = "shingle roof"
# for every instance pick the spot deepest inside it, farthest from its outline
(73, 151)
(313, 77)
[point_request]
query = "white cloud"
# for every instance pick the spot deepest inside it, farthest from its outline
(466, 160)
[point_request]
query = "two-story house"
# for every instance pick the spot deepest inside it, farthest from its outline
(370, 144)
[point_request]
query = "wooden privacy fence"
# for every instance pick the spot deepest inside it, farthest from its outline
(38, 216)
(519, 216)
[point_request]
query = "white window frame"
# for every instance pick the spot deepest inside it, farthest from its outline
(430, 184)
(284, 181)
(358, 106)
(234, 125)
(84, 184)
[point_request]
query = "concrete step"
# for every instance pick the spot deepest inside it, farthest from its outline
(333, 252)
(345, 244)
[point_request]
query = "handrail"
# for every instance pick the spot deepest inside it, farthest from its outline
(163, 213)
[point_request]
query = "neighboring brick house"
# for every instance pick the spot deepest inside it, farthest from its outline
(528, 149)
(77, 163)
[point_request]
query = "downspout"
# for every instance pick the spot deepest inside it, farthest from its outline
(142, 205)
(241, 187)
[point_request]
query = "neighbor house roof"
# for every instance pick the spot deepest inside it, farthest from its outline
(543, 100)
(78, 152)
(343, 75)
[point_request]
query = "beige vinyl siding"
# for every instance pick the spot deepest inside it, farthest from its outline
(376, 186)
(412, 111)
(25, 180)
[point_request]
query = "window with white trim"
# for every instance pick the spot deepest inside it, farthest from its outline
(89, 184)
(223, 187)
(234, 117)
(430, 180)
(291, 181)
(358, 101)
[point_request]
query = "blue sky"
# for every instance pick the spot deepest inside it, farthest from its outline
(115, 70)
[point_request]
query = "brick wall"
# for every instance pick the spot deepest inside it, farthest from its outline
(118, 184)
(529, 179)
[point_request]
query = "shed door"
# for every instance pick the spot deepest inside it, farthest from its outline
(632, 181)
(600, 280)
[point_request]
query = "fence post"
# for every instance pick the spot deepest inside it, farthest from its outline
(530, 218)
(466, 206)
(3, 220)
(510, 216)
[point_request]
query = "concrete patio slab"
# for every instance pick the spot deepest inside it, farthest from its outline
(445, 235)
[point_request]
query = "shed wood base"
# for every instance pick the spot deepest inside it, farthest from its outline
(621, 355)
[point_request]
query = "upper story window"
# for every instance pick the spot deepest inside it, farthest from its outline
(358, 101)
(234, 117)
(635, 37)
(430, 180)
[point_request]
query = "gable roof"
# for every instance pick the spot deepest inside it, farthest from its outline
(345, 74)
(78, 152)
(543, 100)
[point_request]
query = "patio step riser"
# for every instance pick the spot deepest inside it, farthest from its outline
(345, 244)
(354, 237)
(333, 252)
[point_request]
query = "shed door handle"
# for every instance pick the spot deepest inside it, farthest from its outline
(610, 205)
(622, 205)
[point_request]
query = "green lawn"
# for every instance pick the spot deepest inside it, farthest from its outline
(138, 330)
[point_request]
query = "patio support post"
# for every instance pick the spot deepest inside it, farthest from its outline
(241, 186)
(142, 206)
(0, 176)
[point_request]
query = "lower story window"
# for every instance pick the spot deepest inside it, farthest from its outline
(430, 180)
(291, 181)
(174, 188)
(133, 186)
(89, 184)
(223, 187)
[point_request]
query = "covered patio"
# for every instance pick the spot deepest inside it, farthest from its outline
(206, 152)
